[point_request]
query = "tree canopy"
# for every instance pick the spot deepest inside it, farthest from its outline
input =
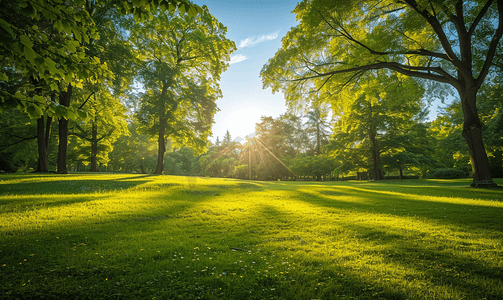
(46, 40)
(452, 42)
(180, 61)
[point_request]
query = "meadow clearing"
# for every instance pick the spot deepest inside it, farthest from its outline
(131, 236)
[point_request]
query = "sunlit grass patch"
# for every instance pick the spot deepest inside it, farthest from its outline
(137, 236)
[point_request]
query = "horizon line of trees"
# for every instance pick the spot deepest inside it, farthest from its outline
(357, 99)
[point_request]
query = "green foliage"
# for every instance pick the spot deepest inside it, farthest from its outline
(379, 126)
(47, 41)
(446, 173)
(180, 59)
(17, 142)
(241, 172)
(336, 43)
(313, 166)
(268, 151)
(96, 137)
(135, 153)
(317, 128)
(181, 162)
(294, 132)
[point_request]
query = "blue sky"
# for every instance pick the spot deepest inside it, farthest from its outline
(257, 28)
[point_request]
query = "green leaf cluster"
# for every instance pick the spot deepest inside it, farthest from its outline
(48, 41)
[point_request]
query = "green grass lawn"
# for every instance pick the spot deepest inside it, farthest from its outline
(166, 237)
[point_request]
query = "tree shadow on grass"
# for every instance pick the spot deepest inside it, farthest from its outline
(272, 227)
(475, 214)
(84, 254)
(66, 187)
(442, 259)
(30, 203)
(434, 187)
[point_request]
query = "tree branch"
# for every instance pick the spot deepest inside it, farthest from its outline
(479, 17)
(403, 69)
(493, 45)
(89, 97)
(437, 27)
(344, 33)
(22, 139)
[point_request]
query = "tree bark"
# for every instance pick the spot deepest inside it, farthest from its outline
(64, 99)
(376, 171)
(94, 147)
(472, 132)
(159, 170)
(48, 128)
(43, 159)
(376, 159)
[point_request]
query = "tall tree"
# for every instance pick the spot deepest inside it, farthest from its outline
(269, 145)
(295, 135)
(452, 42)
(182, 58)
(317, 127)
(227, 139)
(108, 122)
(374, 117)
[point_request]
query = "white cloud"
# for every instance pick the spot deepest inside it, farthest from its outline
(250, 42)
(237, 58)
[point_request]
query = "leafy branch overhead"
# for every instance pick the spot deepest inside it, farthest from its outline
(47, 40)
(452, 42)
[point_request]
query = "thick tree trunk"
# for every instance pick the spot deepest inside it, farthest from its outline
(64, 100)
(159, 170)
(472, 132)
(478, 157)
(94, 147)
(43, 159)
(48, 128)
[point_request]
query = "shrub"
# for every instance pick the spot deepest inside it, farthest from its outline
(446, 173)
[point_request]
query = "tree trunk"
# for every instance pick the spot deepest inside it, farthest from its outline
(318, 133)
(64, 99)
(376, 171)
(94, 146)
(159, 170)
(43, 159)
(401, 172)
(472, 132)
(48, 134)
